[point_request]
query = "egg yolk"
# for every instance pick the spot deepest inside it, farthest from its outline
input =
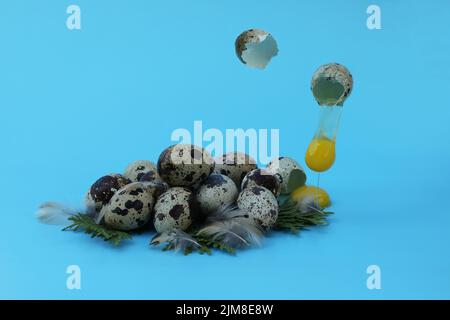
(320, 154)
(319, 194)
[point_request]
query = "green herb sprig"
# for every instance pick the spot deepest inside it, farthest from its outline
(207, 244)
(83, 222)
(291, 219)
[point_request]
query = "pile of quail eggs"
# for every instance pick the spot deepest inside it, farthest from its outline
(185, 186)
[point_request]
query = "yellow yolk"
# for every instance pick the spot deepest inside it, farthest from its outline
(321, 196)
(320, 154)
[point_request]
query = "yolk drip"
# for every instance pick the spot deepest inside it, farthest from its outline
(320, 154)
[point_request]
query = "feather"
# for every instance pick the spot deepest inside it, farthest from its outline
(97, 216)
(178, 239)
(309, 205)
(235, 232)
(226, 212)
(54, 213)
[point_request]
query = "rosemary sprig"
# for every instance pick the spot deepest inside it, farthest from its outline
(83, 222)
(291, 219)
(209, 244)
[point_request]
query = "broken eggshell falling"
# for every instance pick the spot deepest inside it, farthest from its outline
(255, 48)
(331, 84)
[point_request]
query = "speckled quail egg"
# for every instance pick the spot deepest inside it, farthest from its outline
(130, 207)
(290, 173)
(260, 204)
(235, 165)
(137, 169)
(184, 165)
(174, 209)
(150, 176)
(264, 178)
(216, 191)
(156, 188)
(103, 189)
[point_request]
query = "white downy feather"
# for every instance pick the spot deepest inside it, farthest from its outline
(54, 213)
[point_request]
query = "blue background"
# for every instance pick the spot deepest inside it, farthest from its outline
(79, 104)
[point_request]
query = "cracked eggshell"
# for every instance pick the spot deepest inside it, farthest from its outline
(255, 48)
(263, 178)
(174, 209)
(331, 84)
(184, 165)
(216, 191)
(289, 172)
(137, 169)
(260, 204)
(235, 165)
(103, 189)
(130, 207)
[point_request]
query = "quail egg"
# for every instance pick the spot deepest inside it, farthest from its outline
(264, 178)
(260, 204)
(235, 165)
(150, 176)
(137, 169)
(289, 172)
(103, 189)
(184, 165)
(216, 191)
(156, 188)
(256, 48)
(174, 209)
(129, 208)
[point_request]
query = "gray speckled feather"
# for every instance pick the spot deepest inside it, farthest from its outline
(176, 237)
(226, 212)
(235, 232)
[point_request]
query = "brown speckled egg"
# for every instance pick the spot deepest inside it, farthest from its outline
(235, 165)
(156, 188)
(184, 165)
(174, 209)
(260, 204)
(150, 176)
(216, 191)
(264, 178)
(130, 207)
(103, 189)
(137, 169)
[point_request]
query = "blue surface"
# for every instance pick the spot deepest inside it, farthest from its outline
(80, 104)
